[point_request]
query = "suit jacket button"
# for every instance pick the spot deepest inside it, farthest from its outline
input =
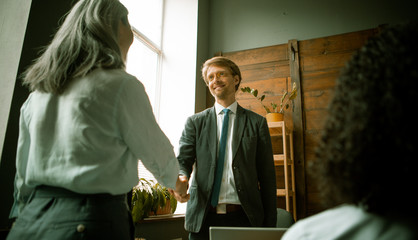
(81, 228)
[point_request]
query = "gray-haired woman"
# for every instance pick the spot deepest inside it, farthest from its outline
(83, 129)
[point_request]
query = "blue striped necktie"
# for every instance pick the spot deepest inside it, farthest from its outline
(221, 157)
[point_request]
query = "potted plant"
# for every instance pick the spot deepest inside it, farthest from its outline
(277, 110)
(150, 198)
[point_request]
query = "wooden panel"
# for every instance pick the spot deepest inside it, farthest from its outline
(298, 120)
(272, 87)
(348, 42)
(315, 119)
(321, 62)
(317, 100)
(324, 62)
(312, 138)
(319, 80)
(258, 55)
(263, 71)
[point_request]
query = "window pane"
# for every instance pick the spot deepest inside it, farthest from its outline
(142, 63)
(146, 16)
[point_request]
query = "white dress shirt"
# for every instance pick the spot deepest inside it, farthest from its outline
(228, 193)
(89, 138)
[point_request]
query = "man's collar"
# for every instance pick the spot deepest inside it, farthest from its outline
(232, 107)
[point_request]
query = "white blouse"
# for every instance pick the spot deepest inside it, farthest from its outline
(89, 138)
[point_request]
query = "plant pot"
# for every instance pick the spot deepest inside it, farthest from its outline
(147, 198)
(164, 210)
(274, 117)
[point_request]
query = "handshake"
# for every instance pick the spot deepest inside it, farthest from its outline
(180, 193)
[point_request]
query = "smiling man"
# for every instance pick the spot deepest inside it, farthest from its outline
(228, 149)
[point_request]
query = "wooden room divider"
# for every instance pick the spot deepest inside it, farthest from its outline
(314, 66)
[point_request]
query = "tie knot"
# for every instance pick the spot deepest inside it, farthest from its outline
(226, 110)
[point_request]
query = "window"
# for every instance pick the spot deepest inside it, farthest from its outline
(163, 58)
(144, 56)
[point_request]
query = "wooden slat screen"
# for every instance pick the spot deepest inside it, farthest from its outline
(316, 66)
(321, 60)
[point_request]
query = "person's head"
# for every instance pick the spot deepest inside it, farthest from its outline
(368, 150)
(222, 76)
(94, 34)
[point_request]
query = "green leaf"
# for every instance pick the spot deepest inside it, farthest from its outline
(136, 214)
(267, 109)
(147, 204)
(274, 106)
(246, 89)
(138, 206)
(283, 97)
(262, 97)
(162, 199)
(173, 204)
(254, 92)
(293, 95)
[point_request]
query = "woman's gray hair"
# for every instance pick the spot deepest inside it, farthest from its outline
(87, 39)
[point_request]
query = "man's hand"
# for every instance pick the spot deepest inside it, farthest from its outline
(180, 194)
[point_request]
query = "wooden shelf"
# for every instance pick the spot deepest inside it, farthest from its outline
(279, 129)
(282, 192)
(279, 160)
(275, 129)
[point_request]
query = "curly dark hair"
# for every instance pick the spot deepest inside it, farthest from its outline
(368, 151)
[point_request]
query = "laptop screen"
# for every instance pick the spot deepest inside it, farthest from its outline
(245, 233)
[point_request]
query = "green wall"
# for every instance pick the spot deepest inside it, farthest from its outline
(244, 24)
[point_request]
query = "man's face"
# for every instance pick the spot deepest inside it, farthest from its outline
(221, 83)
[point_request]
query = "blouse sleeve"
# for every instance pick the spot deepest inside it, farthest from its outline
(142, 134)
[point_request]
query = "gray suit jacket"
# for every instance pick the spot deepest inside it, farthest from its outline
(253, 166)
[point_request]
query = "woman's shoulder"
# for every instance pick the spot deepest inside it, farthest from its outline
(112, 80)
(112, 75)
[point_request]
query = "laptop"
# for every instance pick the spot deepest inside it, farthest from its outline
(245, 233)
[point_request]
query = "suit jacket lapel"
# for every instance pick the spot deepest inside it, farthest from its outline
(211, 123)
(240, 121)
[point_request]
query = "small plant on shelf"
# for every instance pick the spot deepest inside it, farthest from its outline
(275, 108)
(150, 198)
